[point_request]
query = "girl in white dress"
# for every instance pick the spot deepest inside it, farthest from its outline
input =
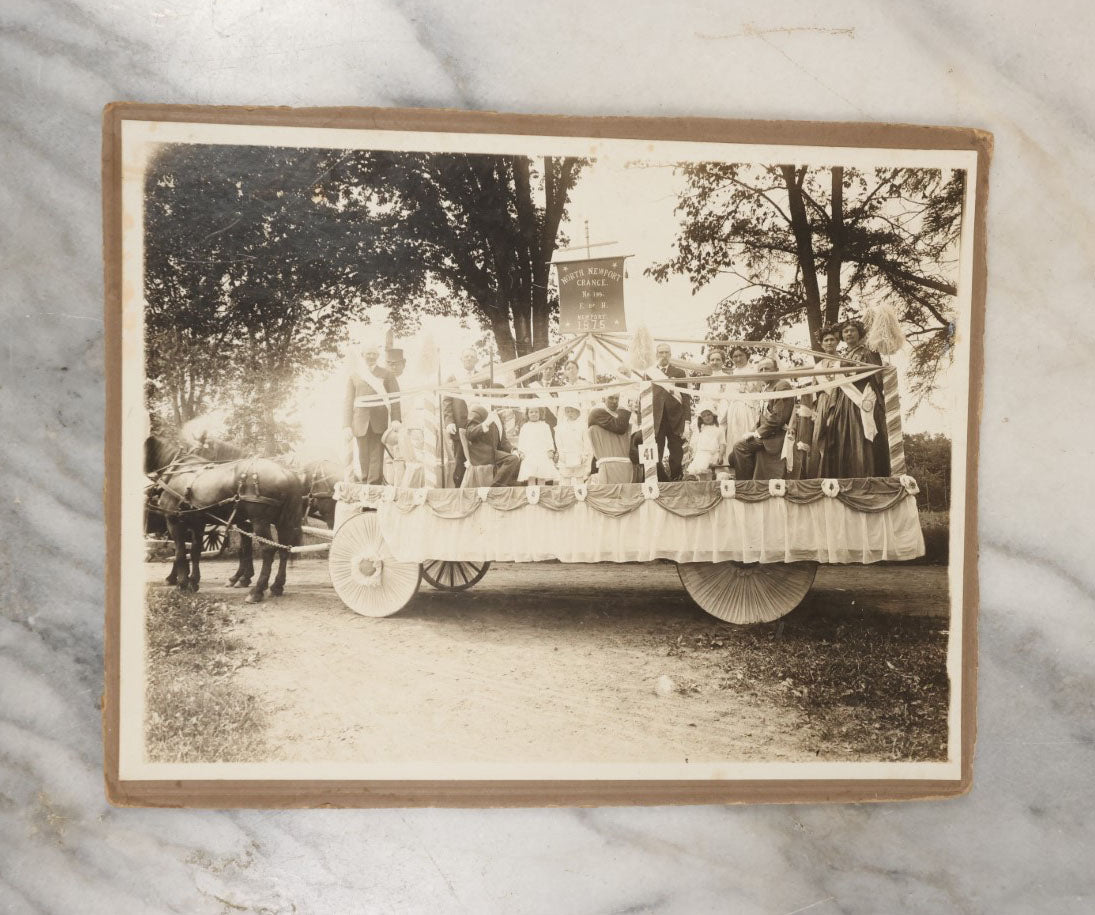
(707, 445)
(573, 446)
(741, 415)
(536, 449)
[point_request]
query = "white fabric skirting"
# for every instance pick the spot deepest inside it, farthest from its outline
(773, 530)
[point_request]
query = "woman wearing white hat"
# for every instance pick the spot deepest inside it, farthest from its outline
(572, 443)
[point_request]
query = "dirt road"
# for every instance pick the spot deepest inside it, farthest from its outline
(537, 663)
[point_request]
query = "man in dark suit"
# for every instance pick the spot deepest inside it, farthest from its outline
(454, 411)
(367, 409)
(672, 412)
(759, 456)
(487, 445)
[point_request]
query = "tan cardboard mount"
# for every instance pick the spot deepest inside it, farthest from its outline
(499, 793)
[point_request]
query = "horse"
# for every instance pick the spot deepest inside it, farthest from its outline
(318, 479)
(251, 492)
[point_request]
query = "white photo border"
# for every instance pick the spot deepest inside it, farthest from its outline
(139, 141)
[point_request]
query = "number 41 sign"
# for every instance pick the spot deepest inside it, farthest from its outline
(648, 454)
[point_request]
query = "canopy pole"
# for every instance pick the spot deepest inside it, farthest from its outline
(612, 357)
(894, 433)
(554, 360)
(646, 424)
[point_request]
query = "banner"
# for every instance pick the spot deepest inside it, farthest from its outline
(591, 295)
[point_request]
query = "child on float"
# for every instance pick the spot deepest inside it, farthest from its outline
(536, 448)
(572, 443)
(707, 443)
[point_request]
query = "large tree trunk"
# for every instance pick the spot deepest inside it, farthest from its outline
(804, 248)
(504, 340)
(541, 313)
(836, 255)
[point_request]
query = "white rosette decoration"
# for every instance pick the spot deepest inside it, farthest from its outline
(650, 489)
(532, 494)
(418, 496)
(777, 488)
(831, 488)
(910, 484)
(581, 491)
(728, 488)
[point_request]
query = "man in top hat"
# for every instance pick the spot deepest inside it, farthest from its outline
(367, 410)
(759, 456)
(395, 361)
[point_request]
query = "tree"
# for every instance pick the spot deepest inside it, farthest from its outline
(818, 244)
(258, 258)
(470, 230)
(929, 460)
(250, 278)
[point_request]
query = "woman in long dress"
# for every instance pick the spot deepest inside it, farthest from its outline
(849, 452)
(574, 451)
(741, 415)
(823, 404)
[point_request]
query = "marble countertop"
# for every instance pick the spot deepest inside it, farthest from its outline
(1020, 842)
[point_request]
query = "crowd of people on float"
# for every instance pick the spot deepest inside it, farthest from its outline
(701, 429)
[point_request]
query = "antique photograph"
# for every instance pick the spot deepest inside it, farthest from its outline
(472, 455)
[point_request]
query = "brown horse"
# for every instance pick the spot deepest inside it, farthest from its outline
(319, 478)
(252, 493)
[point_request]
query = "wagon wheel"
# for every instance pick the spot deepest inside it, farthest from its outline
(446, 575)
(747, 592)
(367, 584)
(215, 539)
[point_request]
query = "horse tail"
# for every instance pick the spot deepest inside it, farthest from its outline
(291, 516)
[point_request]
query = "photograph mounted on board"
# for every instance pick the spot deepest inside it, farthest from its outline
(493, 459)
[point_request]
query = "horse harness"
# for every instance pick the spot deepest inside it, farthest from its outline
(186, 505)
(316, 479)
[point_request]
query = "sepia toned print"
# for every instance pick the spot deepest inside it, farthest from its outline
(471, 458)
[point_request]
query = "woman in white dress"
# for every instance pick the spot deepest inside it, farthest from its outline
(741, 415)
(572, 444)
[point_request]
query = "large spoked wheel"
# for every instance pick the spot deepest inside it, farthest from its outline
(215, 539)
(747, 592)
(367, 583)
(448, 575)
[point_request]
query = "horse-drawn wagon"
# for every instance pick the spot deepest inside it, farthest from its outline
(747, 551)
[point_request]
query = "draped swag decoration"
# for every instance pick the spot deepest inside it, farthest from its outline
(685, 499)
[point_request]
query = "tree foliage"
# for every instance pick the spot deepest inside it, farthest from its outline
(820, 245)
(257, 260)
(477, 231)
(249, 280)
(929, 460)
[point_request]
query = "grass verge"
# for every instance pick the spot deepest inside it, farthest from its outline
(870, 685)
(937, 536)
(194, 712)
